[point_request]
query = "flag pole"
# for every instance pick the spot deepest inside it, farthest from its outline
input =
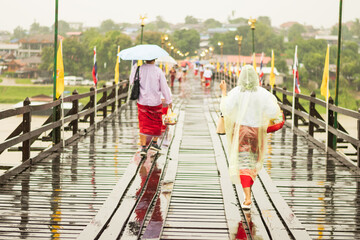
(337, 74)
(62, 119)
(55, 136)
(117, 80)
(293, 100)
(327, 108)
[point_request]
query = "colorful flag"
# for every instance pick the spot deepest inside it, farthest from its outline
(230, 69)
(296, 73)
(272, 74)
(166, 68)
(254, 62)
(238, 69)
(217, 67)
(261, 73)
(325, 81)
(94, 70)
(140, 62)
(116, 78)
(225, 68)
(59, 72)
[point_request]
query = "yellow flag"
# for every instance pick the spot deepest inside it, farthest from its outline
(230, 73)
(166, 68)
(254, 62)
(161, 66)
(217, 67)
(237, 69)
(272, 74)
(140, 62)
(116, 78)
(325, 85)
(59, 72)
(225, 67)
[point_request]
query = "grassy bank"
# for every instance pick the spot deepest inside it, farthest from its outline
(15, 94)
(23, 81)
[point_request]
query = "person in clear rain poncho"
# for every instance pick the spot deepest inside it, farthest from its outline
(247, 110)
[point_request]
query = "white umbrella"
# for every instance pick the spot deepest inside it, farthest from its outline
(142, 52)
(166, 59)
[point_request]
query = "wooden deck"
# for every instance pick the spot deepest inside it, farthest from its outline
(100, 188)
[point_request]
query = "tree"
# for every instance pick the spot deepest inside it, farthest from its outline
(35, 28)
(295, 31)
(212, 23)
(355, 29)
(191, 20)
(265, 20)
(345, 32)
(186, 40)
(19, 33)
(108, 25)
(74, 56)
(106, 53)
(161, 24)
(63, 27)
(47, 60)
(150, 37)
(238, 20)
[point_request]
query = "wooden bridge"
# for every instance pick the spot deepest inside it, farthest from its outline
(96, 186)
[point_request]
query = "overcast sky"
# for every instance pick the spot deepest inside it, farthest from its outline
(92, 12)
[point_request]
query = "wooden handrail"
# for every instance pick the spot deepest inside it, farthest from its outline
(313, 119)
(23, 134)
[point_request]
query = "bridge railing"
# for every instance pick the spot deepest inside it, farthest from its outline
(26, 136)
(312, 119)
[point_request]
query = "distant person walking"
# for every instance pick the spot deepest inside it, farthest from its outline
(207, 75)
(172, 76)
(152, 85)
(247, 110)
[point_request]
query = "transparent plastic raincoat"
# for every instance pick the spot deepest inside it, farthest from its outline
(247, 110)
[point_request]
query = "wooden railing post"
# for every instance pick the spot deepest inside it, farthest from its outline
(105, 99)
(296, 117)
(92, 105)
(114, 96)
(75, 107)
(331, 123)
(311, 113)
(358, 148)
(284, 101)
(26, 129)
(120, 90)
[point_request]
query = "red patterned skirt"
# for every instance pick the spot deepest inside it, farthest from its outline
(150, 120)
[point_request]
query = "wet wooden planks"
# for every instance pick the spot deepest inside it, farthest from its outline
(321, 191)
(196, 208)
(58, 197)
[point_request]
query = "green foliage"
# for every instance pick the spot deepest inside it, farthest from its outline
(187, 40)
(35, 28)
(74, 56)
(191, 20)
(150, 37)
(23, 81)
(1, 80)
(238, 20)
(212, 23)
(108, 25)
(295, 31)
(19, 33)
(15, 94)
(345, 32)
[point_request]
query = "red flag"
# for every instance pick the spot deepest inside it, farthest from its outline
(296, 73)
(94, 70)
(261, 73)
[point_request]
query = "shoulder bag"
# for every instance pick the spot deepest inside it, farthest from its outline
(135, 91)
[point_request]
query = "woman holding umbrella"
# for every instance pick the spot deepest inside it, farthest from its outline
(152, 85)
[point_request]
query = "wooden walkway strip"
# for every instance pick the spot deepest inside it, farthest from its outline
(231, 203)
(156, 224)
